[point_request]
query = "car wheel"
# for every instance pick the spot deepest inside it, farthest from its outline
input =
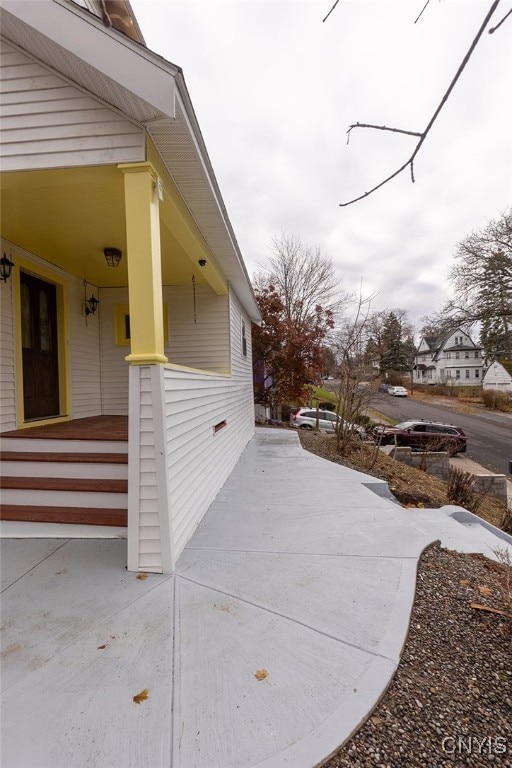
(305, 426)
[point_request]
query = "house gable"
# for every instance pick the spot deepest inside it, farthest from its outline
(49, 123)
(498, 375)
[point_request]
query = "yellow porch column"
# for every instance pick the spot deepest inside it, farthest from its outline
(144, 264)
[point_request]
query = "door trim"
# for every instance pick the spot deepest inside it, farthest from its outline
(60, 282)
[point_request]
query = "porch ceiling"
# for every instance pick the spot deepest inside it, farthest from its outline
(68, 216)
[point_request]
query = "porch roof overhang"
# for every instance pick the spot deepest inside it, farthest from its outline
(146, 89)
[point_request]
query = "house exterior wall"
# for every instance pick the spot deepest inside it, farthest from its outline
(200, 458)
(203, 344)
(48, 123)
(497, 377)
(207, 420)
(82, 342)
(7, 358)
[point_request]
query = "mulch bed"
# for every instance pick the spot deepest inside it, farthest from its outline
(450, 701)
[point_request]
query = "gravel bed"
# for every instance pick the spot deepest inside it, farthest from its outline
(450, 701)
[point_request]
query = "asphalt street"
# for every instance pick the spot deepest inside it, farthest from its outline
(489, 434)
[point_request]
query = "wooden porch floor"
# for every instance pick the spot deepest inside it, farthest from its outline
(92, 428)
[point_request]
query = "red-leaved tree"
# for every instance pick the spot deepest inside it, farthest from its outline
(288, 351)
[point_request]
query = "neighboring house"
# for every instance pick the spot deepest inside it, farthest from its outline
(452, 359)
(102, 162)
(499, 376)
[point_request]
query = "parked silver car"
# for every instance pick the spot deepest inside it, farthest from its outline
(305, 418)
(397, 391)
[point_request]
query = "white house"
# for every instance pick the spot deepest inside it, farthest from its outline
(128, 305)
(452, 359)
(498, 376)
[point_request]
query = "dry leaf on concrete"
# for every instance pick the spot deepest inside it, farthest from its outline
(261, 674)
(142, 696)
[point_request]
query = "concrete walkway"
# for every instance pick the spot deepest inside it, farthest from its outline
(277, 635)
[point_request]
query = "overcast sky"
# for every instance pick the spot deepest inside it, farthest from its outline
(275, 89)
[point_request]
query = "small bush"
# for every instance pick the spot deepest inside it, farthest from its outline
(461, 488)
(496, 400)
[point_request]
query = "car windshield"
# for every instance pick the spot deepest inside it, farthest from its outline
(405, 425)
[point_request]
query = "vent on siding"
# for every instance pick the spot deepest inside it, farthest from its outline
(219, 426)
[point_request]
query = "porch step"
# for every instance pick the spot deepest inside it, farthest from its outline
(86, 465)
(73, 472)
(72, 515)
(64, 484)
(52, 445)
(88, 458)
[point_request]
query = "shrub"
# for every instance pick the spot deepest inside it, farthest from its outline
(496, 400)
(461, 488)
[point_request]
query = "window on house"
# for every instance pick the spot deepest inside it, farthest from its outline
(477, 373)
(448, 355)
(466, 353)
(457, 374)
(467, 373)
(457, 354)
(244, 340)
(476, 352)
(449, 373)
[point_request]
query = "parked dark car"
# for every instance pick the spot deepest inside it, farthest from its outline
(384, 387)
(423, 436)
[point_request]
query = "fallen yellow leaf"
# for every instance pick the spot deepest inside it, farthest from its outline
(261, 674)
(142, 696)
(485, 591)
(142, 576)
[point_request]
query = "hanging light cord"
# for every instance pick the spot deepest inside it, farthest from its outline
(194, 295)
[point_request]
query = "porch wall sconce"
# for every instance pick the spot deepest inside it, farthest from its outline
(90, 304)
(112, 256)
(202, 262)
(6, 267)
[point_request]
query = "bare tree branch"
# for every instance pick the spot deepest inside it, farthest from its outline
(493, 29)
(421, 12)
(443, 101)
(381, 128)
(332, 9)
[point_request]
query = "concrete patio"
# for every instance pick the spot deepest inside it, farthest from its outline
(275, 638)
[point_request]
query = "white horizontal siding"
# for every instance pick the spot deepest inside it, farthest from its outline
(84, 351)
(7, 358)
(178, 409)
(198, 459)
(114, 368)
(201, 343)
(47, 123)
(241, 365)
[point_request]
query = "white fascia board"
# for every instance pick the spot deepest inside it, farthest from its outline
(107, 51)
(243, 283)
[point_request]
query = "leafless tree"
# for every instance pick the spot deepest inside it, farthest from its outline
(354, 394)
(303, 276)
(422, 135)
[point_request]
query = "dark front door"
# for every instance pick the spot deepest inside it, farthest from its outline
(40, 348)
